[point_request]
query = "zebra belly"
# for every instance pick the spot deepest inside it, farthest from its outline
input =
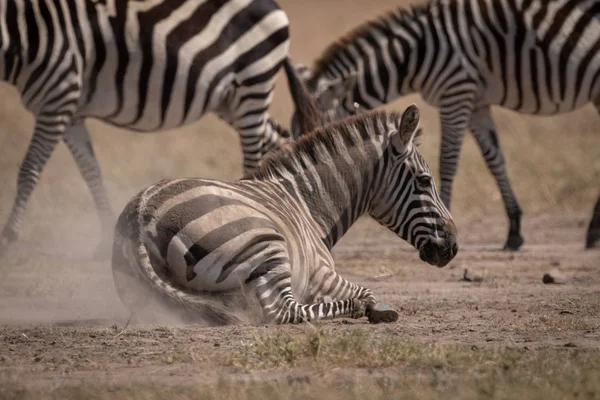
(540, 105)
(547, 73)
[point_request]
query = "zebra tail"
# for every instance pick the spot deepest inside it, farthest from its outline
(308, 114)
(136, 280)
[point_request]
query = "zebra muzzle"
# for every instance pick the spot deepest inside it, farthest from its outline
(439, 254)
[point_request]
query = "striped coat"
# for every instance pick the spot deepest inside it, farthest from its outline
(533, 56)
(142, 65)
(270, 235)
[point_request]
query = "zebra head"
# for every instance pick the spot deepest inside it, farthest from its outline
(405, 198)
(331, 96)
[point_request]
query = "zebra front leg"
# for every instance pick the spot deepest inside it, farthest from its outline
(274, 292)
(454, 124)
(79, 143)
(327, 284)
(45, 137)
(593, 233)
(484, 130)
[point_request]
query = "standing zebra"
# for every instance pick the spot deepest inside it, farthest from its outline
(270, 234)
(143, 65)
(532, 56)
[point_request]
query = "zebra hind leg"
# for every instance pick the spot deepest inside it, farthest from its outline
(593, 233)
(38, 153)
(79, 143)
(484, 130)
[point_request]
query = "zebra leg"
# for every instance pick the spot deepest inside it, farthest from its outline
(484, 130)
(328, 284)
(79, 143)
(593, 233)
(274, 292)
(454, 124)
(43, 143)
(258, 139)
(258, 133)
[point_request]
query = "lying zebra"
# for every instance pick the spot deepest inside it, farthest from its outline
(270, 234)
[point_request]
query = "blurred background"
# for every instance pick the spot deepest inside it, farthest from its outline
(553, 162)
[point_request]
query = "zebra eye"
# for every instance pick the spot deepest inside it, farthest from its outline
(424, 180)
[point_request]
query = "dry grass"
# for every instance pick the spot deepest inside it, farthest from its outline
(355, 363)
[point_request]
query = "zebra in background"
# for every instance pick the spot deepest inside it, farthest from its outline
(270, 234)
(141, 65)
(532, 56)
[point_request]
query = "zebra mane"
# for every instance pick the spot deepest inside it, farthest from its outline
(351, 131)
(380, 23)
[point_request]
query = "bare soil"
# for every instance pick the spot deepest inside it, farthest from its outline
(47, 341)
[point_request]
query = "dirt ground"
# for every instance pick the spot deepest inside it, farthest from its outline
(63, 331)
(50, 339)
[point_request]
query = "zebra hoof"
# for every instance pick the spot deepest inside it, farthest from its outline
(381, 313)
(513, 243)
(593, 239)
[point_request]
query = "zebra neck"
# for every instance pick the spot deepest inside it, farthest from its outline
(336, 193)
(389, 56)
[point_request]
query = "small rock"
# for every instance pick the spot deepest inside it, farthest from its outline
(570, 344)
(471, 277)
(554, 277)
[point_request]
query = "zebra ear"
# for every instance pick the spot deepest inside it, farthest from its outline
(336, 90)
(408, 126)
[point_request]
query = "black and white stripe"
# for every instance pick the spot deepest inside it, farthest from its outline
(142, 65)
(270, 234)
(532, 56)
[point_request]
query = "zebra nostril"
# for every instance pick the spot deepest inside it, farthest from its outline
(454, 248)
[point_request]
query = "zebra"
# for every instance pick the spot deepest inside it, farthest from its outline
(462, 56)
(142, 65)
(269, 235)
